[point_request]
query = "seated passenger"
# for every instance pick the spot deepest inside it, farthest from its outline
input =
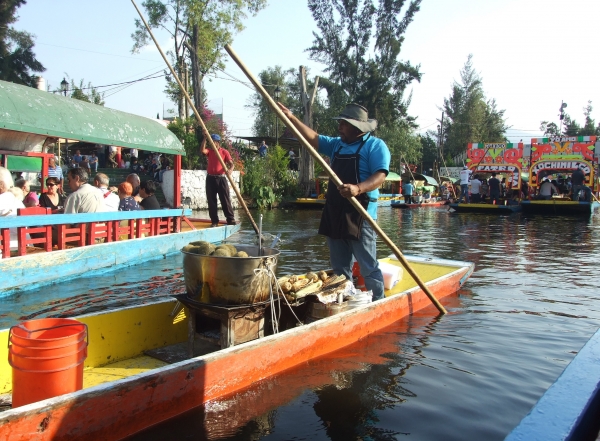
(111, 200)
(127, 203)
(149, 201)
(547, 189)
(85, 197)
(31, 198)
(51, 198)
(9, 204)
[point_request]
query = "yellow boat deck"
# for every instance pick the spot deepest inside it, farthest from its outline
(93, 376)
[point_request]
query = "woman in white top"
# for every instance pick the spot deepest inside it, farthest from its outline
(9, 204)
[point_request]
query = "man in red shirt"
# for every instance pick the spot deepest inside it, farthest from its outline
(216, 182)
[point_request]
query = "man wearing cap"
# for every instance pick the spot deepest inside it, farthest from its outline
(216, 181)
(361, 161)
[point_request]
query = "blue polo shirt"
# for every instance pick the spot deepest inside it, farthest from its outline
(374, 157)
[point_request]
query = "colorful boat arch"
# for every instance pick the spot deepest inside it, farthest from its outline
(501, 158)
(563, 154)
(512, 173)
(495, 153)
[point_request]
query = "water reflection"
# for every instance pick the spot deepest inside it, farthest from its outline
(473, 374)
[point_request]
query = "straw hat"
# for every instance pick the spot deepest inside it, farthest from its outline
(358, 116)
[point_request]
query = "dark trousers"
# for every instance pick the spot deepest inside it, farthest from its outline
(218, 185)
(408, 199)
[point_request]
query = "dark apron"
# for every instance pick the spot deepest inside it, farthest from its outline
(340, 220)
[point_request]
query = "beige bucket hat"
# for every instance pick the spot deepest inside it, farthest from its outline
(358, 116)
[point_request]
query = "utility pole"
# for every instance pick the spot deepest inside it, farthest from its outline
(306, 168)
(440, 150)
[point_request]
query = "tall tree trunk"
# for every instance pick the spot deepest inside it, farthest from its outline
(307, 163)
(196, 81)
(196, 75)
(181, 98)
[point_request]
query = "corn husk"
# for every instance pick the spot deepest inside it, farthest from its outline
(309, 289)
(297, 286)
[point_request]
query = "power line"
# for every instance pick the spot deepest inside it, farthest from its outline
(127, 83)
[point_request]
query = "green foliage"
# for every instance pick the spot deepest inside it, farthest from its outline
(88, 93)
(264, 117)
(267, 180)
(184, 130)
(17, 60)
(430, 151)
(404, 145)
(200, 29)
(470, 117)
(360, 45)
(549, 128)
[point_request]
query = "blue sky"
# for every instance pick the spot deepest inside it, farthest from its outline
(531, 55)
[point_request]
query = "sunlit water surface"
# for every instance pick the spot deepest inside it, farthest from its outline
(473, 374)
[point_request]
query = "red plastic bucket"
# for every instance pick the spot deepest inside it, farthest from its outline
(47, 358)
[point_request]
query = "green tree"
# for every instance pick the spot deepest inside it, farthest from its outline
(264, 116)
(549, 128)
(404, 145)
(570, 126)
(360, 44)
(430, 151)
(199, 29)
(17, 60)
(470, 117)
(88, 93)
(589, 128)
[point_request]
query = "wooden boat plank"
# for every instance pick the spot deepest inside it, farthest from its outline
(118, 409)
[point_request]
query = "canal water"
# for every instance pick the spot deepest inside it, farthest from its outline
(472, 374)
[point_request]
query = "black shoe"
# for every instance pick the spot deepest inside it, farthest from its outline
(231, 222)
(214, 225)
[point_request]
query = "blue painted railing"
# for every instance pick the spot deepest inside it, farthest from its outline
(85, 229)
(57, 219)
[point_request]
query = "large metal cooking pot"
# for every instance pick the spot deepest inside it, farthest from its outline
(230, 280)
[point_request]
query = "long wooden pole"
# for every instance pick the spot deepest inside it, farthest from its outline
(199, 118)
(335, 179)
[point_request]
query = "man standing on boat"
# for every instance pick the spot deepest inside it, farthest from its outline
(216, 182)
(362, 162)
(476, 189)
(577, 181)
(407, 192)
(465, 174)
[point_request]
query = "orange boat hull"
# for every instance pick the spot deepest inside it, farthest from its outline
(119, 409)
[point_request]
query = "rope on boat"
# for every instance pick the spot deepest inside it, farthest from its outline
(275, 313)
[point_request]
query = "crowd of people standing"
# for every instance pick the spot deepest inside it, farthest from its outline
(478, 188)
